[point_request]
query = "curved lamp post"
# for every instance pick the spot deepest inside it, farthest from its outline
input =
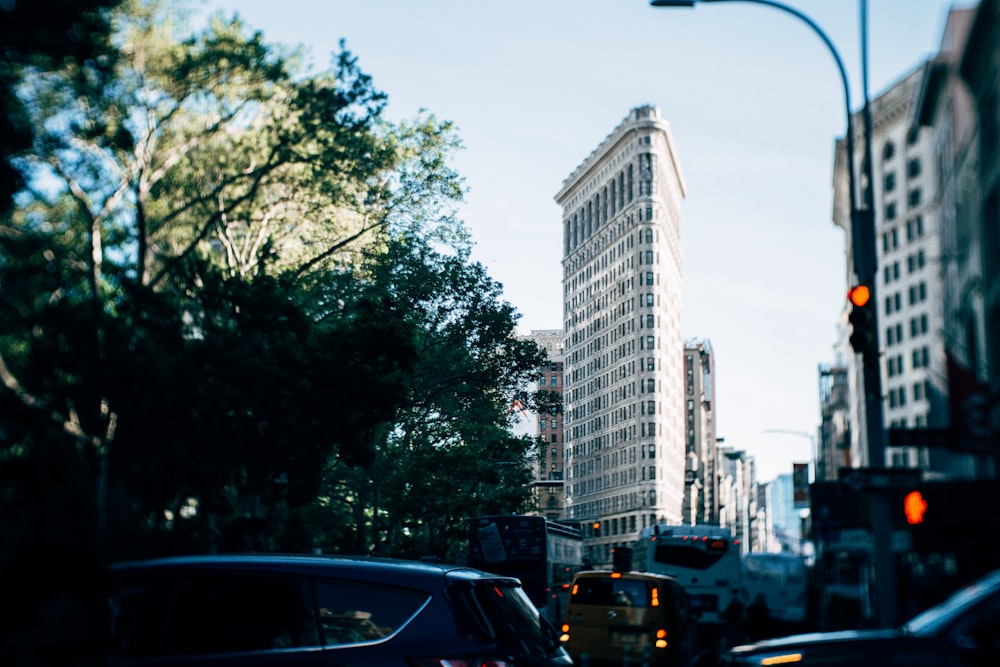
(863, 247)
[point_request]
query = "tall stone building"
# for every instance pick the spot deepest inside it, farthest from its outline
(701, 479)
(548, 485)
(908, 282)
(960, 107)
(623, 372)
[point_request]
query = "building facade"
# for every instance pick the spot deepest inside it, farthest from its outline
(908, 281)
(960, 106)
(833, 451)
(548, 485)
(701, 481)
(623, 374)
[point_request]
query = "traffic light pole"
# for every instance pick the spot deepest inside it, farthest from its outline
(866, 267)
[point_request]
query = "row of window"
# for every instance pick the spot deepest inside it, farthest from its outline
(897, 395)
(608, 201)
(621, 503)
(914, 231)
(920, 357)
(919, 326)
(916, 293)
(914, 262)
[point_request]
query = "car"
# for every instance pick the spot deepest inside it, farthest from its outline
(963, 630)
(616, 617)
(323, 610)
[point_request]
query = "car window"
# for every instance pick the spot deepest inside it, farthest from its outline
(221, 612)
(609, 592)
(355, 613)
(491, 612)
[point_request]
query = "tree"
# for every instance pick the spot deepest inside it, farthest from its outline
(167, 279)
(448, 454)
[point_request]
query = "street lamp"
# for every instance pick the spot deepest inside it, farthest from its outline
(863, 247)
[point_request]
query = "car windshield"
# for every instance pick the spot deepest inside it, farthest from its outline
(937, 619)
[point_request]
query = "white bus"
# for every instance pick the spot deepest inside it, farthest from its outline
(704, 559)
(783, 580)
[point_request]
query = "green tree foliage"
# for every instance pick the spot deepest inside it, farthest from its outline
(237, 309)
(37, 36)
(449, 453)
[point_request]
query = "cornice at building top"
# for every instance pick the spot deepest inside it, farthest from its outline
(898, 100)
(646, 117)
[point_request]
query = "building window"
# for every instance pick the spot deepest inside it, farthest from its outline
(652, 472)
(650, 300)
(649, 257)
(888, 151)
(890, 181)
(649, 278)
(914, 197)
(650, 321)
(890, 211)
(913, 167)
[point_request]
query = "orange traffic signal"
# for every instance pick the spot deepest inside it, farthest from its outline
(863, 336)
(859, 295)
(914, 507)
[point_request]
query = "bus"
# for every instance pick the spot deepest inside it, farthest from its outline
(783, 580)
(705, 559)
(542, 553)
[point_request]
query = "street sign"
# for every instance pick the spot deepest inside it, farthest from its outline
(919, 437)
(880, 479)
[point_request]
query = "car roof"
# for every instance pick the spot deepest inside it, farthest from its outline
(631, 574)
(362, 567)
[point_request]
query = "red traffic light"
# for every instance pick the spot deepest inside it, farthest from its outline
(914, 507)
(859, 295)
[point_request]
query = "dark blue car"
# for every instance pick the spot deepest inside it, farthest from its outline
(323, 610)
(962, 631)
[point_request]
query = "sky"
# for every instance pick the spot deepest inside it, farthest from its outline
(755, 103)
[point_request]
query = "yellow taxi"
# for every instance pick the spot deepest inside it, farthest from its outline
(621, 618)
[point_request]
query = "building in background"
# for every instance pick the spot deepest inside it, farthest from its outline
(548, 428)
(908, 286)
(833, 451)
(737, 497)
(701, 481)
(786, 529)
(959, 106)
(623, 373)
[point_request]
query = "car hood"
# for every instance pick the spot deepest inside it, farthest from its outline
(853, 648)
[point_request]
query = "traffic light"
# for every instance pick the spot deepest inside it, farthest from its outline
(597, 529)
(862, 319)
(914, 507)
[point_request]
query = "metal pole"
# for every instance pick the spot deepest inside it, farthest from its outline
(881, 520)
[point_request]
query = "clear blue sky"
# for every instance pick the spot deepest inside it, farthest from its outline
(754, 101)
